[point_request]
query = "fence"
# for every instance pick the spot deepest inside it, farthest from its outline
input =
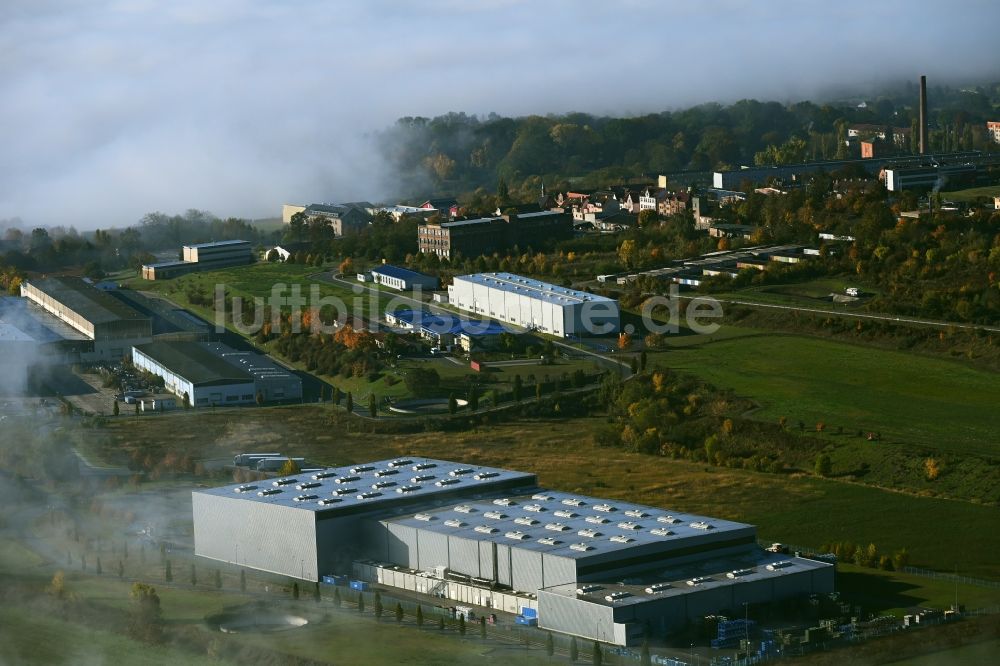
(954, 578)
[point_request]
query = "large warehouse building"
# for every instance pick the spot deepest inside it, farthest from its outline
(599, 569)
(535, 305)
(214, 374)
(201, 257)
(111, 325)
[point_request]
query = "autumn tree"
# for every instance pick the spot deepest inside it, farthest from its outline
(145, 614)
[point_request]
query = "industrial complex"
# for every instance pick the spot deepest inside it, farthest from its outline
(213, 374)
(111, 326)
(201, 257)
(599, 569)
(535, 305)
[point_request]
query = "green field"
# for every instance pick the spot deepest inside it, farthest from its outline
(909, 399)
(813, 294)
(971, 194)
(977, 653)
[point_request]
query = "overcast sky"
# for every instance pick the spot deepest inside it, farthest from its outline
(113, 108)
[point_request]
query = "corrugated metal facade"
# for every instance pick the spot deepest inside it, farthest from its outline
(578, 618)
(269, 537)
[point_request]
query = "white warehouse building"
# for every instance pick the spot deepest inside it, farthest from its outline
(213, 374)
(535, 305)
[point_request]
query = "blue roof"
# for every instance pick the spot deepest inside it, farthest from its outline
(443, 324)
(399, 273)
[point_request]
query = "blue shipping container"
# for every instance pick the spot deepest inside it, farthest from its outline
(529, 612)
(334, 579)
(359, 585)
(329, 580)
(528, 621)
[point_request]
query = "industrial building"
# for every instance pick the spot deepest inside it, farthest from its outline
(112, 326)
(403, 279)
(446, 329)
(535, 305)
(201, 257)
(600, 569)
(799, 173)
(486, 235)
(209, 374)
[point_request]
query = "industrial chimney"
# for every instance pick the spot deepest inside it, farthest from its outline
(923, 115)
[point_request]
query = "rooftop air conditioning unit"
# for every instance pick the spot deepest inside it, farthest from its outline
(656, 588)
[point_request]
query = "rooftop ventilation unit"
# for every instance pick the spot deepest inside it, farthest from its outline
(605, 508)
(369, 495)
(451, 522)
(401, 462)
(420, 478)
(347, 479)
(774, 566)
(495, 515)
(588, 589)
(329, 500)
(504, 502)
(597, 520)
(425, 517)
(517, 536)
(582, 547)
(362, 468)
(422, 466)
(574, 502)
(408, 489)
(549, 541)
(656, 588)
(307, 486)
(324, 475)
(556, 527)
(694, 582)
(482, 476)
(739, 573)
(386, 472)
(661, 531)
(537, 508)
(587, 532)
(284, 482)
(464, 508)
(617, 596)
(525, 520)
(244, 489)
(485, 529)
(670, 520)
(460, 471)
(447, 482)
(269, 491)
(636, 513)
(383, 484)
(621, 538)
(628, 525)
(702, 525)
(340, 492)
(562, 513)
(542, 497)
(305, 498)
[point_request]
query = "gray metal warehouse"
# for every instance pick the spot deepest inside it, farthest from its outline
(599, 569)
(211, 373)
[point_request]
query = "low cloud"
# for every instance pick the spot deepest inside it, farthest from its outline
(114, 108)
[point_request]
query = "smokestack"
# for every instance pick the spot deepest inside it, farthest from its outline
(923, 115)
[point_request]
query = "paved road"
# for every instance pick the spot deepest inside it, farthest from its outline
(857, 315)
